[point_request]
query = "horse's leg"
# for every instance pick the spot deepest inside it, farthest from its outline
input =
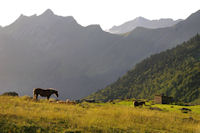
(36, 97)
(48, 97)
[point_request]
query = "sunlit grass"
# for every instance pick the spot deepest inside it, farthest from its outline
(25, 115)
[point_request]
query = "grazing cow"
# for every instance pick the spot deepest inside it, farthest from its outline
(137, 103)
(44, 93)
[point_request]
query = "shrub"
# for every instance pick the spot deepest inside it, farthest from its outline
(10, 94)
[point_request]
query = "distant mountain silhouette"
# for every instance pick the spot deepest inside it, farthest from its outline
(54, 51)
(143, 22)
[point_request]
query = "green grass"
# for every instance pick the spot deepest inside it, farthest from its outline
(22, 114)
(174, 108)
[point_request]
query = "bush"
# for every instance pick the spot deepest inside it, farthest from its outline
(10, 94)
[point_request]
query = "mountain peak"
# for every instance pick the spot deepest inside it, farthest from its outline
(22, 18)
(140, 18)
(94, 26)
(48, 12)
(194, 15)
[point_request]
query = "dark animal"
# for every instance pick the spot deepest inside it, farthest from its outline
(155, 108)
(185, 110)
(137, 103)
(44, 93)
(88, 100)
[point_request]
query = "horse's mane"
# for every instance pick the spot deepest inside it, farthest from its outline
(52, 89)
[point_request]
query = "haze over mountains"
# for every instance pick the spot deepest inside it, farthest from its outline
(51, 51)
(174, 72)
(143, 22)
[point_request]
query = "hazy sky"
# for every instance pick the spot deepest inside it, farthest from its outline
(104, 12)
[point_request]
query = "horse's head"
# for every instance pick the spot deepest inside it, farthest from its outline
(56, 93)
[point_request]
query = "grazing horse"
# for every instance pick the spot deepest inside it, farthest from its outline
(44, 93)
(137, 103)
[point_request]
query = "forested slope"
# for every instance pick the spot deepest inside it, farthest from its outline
(175, 72)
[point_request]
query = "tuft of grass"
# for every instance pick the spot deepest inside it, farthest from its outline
(23, 114)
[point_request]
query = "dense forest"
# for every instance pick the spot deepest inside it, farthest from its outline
(174, 72)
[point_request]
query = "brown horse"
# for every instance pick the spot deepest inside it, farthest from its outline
(44, 93)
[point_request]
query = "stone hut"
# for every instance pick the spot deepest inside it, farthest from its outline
(162, 99)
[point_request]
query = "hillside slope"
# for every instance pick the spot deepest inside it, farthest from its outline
(175, 72)
(141, 43)
(24, 115)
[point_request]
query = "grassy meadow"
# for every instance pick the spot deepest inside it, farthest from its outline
(22, 114)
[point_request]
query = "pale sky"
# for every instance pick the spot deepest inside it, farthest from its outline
(104, 12)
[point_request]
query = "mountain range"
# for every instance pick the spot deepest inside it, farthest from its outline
(51, 51)
(143, 22)
(175, 72)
